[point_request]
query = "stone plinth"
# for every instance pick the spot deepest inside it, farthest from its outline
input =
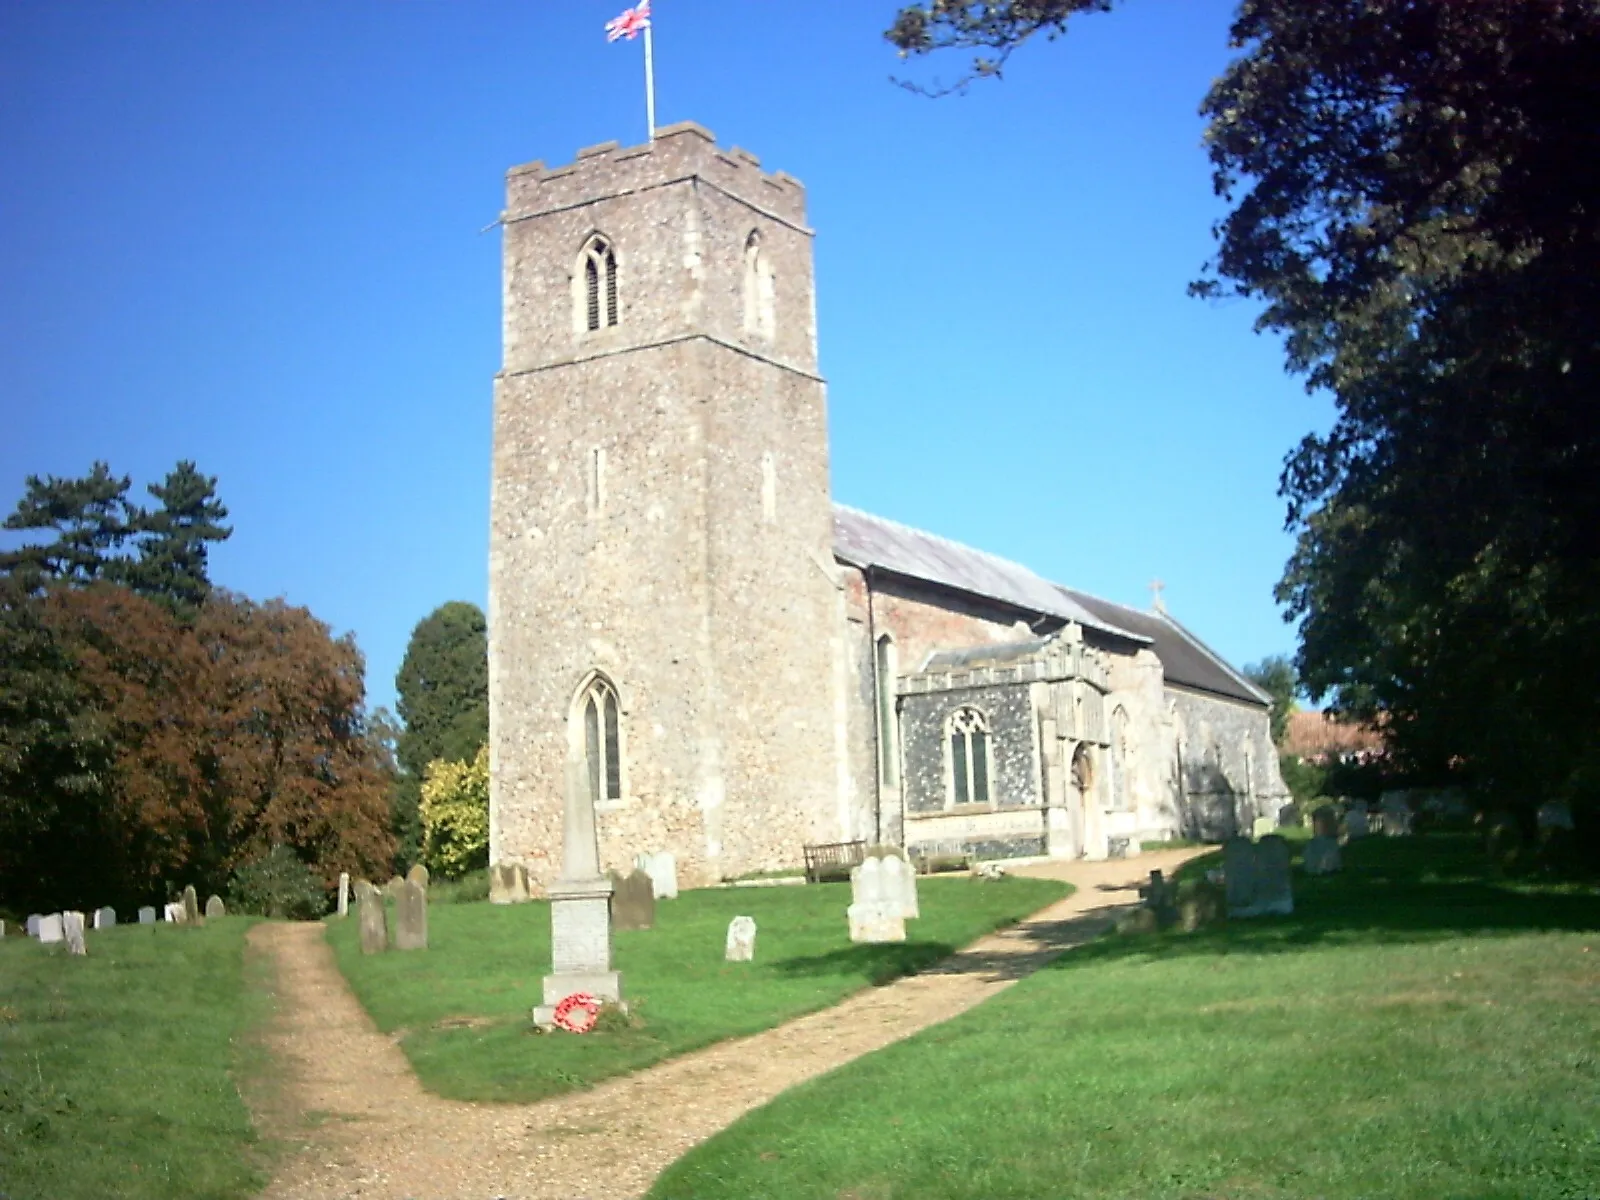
(580, 946)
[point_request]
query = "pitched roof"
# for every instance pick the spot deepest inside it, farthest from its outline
(1185, 659)
(863, 540)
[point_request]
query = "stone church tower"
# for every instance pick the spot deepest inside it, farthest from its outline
(664, 614)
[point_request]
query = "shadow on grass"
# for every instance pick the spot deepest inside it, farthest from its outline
(879, 963)
(1391, 891)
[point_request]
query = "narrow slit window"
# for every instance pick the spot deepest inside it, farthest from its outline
(613, 750)
(888, 725)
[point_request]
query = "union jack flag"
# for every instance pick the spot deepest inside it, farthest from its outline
(631, 23)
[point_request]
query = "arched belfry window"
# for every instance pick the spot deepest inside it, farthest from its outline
(760, 315)
(597, 295)
(968, 761)
(602, 741)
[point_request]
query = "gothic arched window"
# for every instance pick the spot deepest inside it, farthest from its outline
(760, 317)
(598, 294)
(602, 743)
(969, 757)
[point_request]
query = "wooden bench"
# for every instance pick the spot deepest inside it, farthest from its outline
(833, 860)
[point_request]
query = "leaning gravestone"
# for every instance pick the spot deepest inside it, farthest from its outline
(32, 925)
(418, 875)
(411, 917)
(662, 868)
(874, 914)
(344, 893)
(105, 918)
(51, 929)
(175, 913)
(72, 931)
(373, 918)
(392, 888)
(147, 915)
(1321, 856)
(1325, 821)
(633, 902)
(1355, 822)
(191, 906)
(741, 944)
(1239, 874)
(215, 908)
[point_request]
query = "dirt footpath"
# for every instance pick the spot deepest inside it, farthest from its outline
(370, 1131)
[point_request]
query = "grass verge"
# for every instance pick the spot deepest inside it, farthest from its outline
(463, 1006)
(116, 1070)
(1415, 1031)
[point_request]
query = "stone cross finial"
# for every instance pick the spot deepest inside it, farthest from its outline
(1156, 602)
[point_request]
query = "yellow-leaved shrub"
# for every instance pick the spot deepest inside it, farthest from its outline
(455, 815)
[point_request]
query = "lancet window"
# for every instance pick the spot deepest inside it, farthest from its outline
(598, 267)
(968, 764)
(602, 742)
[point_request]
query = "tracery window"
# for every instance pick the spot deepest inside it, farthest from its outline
(602, 743)
(968, 764)
(598, 264)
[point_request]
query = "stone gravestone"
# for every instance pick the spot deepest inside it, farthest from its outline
(418, 875)
(373, 919)
(147, 915)
(741, 943)
(1239, 875)
(51, 929)
(32, 924)
(392, 888)
(1355, 822)
(105, 918)
(411, 916)
(215, 907)
(1274, 891)
(174, 913)
(1396, 816)
(191, 906)
(662, 868)
(580, 909)
(72, 931)
(1325, 821)
(1321, 856)
(344, 893)
(633, 902)
(874, 914)
(1263, 827)
(508, 884)
(900, 887)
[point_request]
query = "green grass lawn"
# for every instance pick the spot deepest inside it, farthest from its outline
(1416, 1031)
(464, 1005)
(116, 1069)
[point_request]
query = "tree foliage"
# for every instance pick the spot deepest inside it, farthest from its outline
(154, 731)
(443, 699)
(1415, 201)
(455, 815)
(1275, 675)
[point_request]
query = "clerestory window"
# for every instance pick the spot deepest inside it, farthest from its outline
(598, 265)
(968, 763)
(602, 750)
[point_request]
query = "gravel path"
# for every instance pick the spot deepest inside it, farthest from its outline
(374, 1133)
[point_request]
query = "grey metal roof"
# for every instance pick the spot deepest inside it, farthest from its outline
(1185, 659)
(863, 540)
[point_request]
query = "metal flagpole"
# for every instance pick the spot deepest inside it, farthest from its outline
(649, 85)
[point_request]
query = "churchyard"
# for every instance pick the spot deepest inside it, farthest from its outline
(461, 1009)
(1416, 1029)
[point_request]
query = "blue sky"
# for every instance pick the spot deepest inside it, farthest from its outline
(248, 232)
